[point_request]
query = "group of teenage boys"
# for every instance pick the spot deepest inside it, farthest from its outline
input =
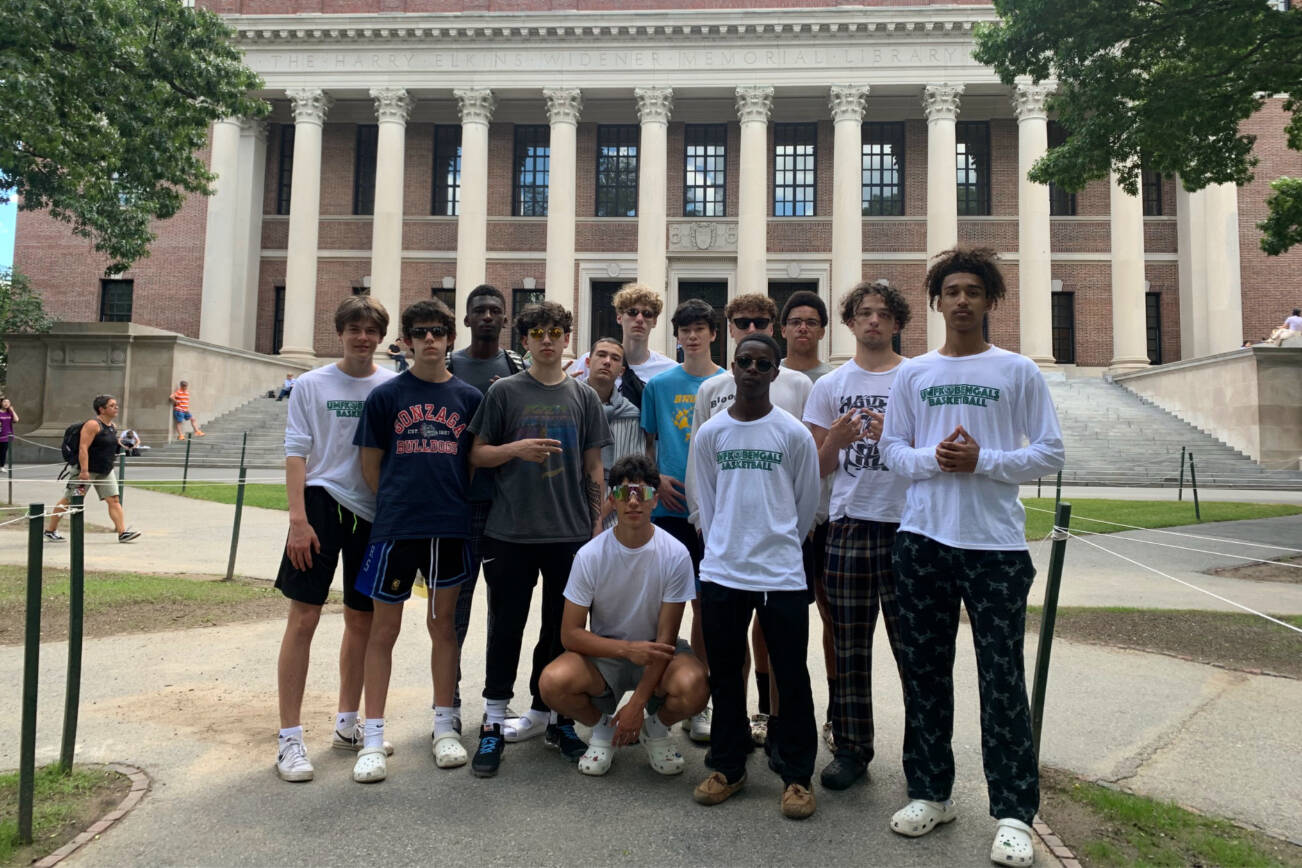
(635, 485)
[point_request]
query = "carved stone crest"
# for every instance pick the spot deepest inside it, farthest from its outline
(703, 235)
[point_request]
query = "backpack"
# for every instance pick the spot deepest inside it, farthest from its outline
(71, 443)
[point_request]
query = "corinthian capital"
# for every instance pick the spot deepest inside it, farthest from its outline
(392, 104)
(940, 101)
(563, 104)
(1029, 99)
(754, 103)
(847, 102)
(255, 127)
(654, 104)
(476, 104)
(310, 104)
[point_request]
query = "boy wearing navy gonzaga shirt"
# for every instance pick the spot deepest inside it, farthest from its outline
(415, 445)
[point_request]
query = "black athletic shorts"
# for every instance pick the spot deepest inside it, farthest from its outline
(814, 553)
(390, 567)
(339, 532)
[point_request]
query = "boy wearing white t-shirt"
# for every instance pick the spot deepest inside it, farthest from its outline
(844, 412)
(330, 514)
(629, 586)
(955, 425)
(758, 491)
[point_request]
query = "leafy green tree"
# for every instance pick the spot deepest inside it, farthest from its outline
(21, 310)
(105, 107)
(1162, 84)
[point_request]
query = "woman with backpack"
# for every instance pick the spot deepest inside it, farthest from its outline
(96, 447)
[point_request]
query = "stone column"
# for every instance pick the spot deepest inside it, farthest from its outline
(310, 106)
(248, 241)
(1034, 273)
(1129, 337)
(653, 107)
(392, 108)
(1224, 289)
(476, 106)
(940, 106)
(1191, 224)
(563, 107)
(754, 103)
(219, 237)
(847, 105)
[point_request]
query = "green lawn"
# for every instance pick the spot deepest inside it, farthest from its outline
(264, 494)
(119, 590)
(62, 805)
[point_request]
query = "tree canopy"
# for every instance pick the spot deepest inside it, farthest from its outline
(21, 310)
(1161, 85)
(105, 107)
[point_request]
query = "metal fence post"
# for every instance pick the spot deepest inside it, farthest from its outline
(1193, 483)
(122, 478)
(1180, 493)
(76, 612)
(11, 474)
(31, 672)
(185, 470)
(239, 510)
(1057, 494)
(1048, 618)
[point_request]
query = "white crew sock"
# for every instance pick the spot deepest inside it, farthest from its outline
(292, 733)
(654, 727)
(495, 709)
(346, 722)
(604, 730)
(374, 732)
(443, 720)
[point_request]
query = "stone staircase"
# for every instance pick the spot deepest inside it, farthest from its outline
(1112, 437)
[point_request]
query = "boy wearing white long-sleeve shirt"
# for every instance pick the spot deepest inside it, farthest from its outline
(955, 424)
(758, 490)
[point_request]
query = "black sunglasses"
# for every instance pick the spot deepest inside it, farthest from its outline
(417, 333)
(743, 322)
(761, 365)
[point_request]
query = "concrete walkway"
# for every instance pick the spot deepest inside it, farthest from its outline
(196, 709)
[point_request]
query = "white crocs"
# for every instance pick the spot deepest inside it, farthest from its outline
(597, 758)
(1012, 843)
(661, 753)
(370, 766)
(448, 751)
(920, 816)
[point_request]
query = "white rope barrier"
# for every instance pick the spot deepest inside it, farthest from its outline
(1150, 542)
(47, 514)
(1190, 585)
(1178, 533)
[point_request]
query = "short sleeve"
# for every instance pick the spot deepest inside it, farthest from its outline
(487, 421)
(820, 409)
(680, 584)
(579, 589)
(649, 408)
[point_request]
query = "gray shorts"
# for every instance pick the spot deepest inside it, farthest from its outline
(105, 485)
(621, 676)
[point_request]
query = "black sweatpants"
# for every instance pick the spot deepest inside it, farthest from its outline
(511, 571)
(784, 618)
(465, 600)
(931, 579)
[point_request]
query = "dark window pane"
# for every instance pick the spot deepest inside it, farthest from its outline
(115, 300)
(447, 170)
(1064, 327)
(532, 164)
(972, 140)
(883, 169)
(277, 319)
(1153, 323)
(1151, 187)
(364, 169)
(1062, 203)
(705, 157)
(617, 170)
(447, 296)
(285, 174)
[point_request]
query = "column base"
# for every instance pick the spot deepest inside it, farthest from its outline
(302, 355)
(1044, 363)
(1126, 366)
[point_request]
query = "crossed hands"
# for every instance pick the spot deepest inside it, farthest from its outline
(958, 452)
(856, 425)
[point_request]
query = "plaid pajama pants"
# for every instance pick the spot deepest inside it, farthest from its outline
(860, 583)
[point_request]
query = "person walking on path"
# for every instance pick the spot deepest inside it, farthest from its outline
(415, 448)
(181, 411)
(330, 514)
(543, 431)
(96, 449)
(955, 425)
(8, 416)
(844, 412)
(623, 606)
(757, 477)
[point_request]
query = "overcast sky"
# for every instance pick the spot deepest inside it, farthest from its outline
(8, 213)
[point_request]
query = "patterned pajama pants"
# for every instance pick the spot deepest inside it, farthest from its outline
(860, 582)
(931, 580)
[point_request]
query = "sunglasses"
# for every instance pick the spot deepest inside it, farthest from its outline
(418, 333)
(744, 322)
(634, 313)
(626, 490)
(761, 365)
(555, 333)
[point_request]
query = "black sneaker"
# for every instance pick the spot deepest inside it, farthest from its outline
(128, 535)
(53, 536)
(844, 769)
(563, 737)
(489, 756)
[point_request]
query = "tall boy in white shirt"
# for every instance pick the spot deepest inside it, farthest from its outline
(758, 490)
(955, 424)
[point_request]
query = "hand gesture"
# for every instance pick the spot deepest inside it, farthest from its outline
(301, 544)
(876, 421)
(958, 452)
(628, 723)
(536, 449)
(646, 653)
(671, 494)
(847, 429)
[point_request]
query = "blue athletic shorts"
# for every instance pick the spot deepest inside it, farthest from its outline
(389, 567)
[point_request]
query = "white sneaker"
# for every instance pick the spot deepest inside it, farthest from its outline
(292, 763)
(699, 731)
(523, 728)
